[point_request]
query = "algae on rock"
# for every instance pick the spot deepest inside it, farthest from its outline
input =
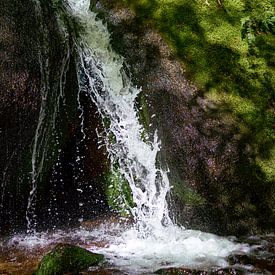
(118, 192)
(66, 258)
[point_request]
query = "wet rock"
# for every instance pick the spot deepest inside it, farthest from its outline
(259, 263)
(65, 258)
(217, 185)
(37, 57)
(103, 271)
(20, 99)
(180, 271)
(186, 271)
(261, 257)
(229, 271)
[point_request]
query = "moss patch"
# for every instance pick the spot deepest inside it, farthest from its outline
(66, 258)
(187, 195)
(118, 192)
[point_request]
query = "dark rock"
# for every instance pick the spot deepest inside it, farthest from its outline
(259, 263)
(262, 254)
(186, 271)
(38, 57)
(20, 98)
(229, 271)
(180, 271)
(66, 258)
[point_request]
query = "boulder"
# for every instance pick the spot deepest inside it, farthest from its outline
(66, 258)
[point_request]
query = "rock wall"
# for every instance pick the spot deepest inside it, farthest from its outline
(19, 99)
(217, 185)
(38, 71)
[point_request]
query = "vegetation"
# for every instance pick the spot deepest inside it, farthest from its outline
(227, 48)
(65, 258)
(118, 192)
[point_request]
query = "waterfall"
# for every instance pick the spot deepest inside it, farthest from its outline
(153, 241)
(153, 238)
(103, 78)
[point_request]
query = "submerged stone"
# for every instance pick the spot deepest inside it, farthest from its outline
(67, 258)
(186, 271)
(264, 262)
(179, 271)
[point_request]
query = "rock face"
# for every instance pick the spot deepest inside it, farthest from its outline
(40, 129)
(217, 185)
(19, 99)
(65, 258)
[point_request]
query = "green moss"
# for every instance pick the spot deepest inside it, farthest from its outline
(187, 195)
(267, 165)
(65, 258)
(118, 191)
(143, 112)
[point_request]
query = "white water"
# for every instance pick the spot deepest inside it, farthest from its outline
(154, 240)
(171, 246)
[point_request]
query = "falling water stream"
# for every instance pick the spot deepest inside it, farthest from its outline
(153, 240)
(102, 75)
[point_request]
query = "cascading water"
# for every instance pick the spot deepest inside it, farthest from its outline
(102, 76)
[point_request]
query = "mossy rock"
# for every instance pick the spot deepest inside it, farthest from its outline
(66, 258)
